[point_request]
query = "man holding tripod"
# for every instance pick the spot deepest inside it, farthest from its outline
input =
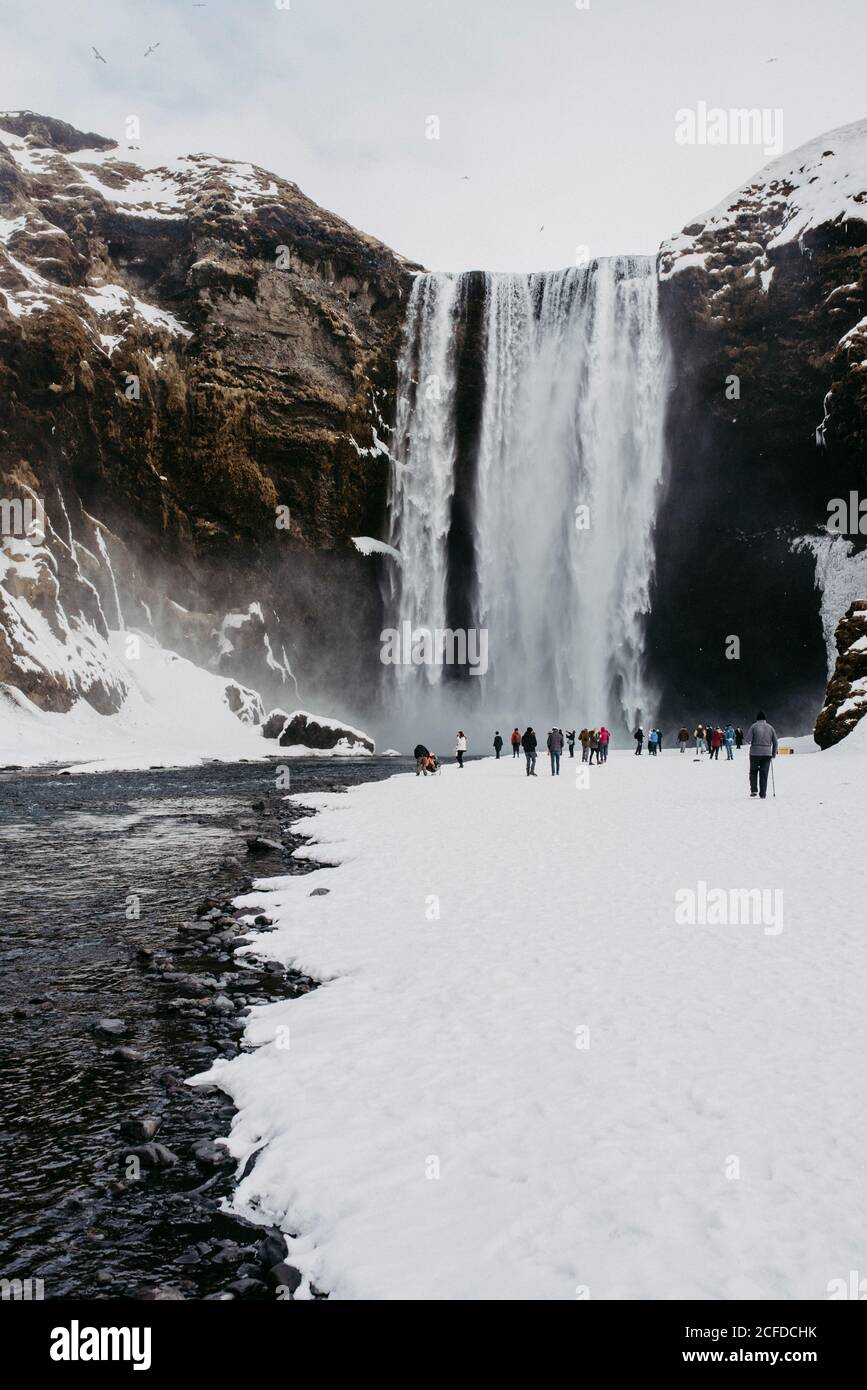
(762, 740)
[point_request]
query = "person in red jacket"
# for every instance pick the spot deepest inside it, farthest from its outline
(604, 740)
(516, 743)
(716, 739)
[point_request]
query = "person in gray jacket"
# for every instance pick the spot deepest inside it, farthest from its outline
(555, 748)
(762, 740)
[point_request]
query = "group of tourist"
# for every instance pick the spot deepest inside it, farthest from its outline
(594, 744)
(708, 738)
(654, 741)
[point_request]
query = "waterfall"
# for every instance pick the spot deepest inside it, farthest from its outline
(567, 453)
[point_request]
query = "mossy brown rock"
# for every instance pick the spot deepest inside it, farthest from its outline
(203, 360)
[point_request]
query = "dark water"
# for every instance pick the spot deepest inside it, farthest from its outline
(98, 873)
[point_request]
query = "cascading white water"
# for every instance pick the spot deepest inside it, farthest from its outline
(567, 470)
(422, 473)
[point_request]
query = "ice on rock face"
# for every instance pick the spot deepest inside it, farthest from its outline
(367, 545)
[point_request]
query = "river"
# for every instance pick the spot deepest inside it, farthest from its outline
(99, 872)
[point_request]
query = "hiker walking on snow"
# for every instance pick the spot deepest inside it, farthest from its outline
(728, 740)
(639, 740)
(498, 743)
(604, 740)
(698, 735)
(460, 747)
(516, 743)
(651, 743)
(683, 739)
(762, 739)
(528, 743)
(570, 735)
(715, 742)
(584, 739)
(555, 748)
(739, 738)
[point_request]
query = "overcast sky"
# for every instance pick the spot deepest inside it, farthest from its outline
(556, 123)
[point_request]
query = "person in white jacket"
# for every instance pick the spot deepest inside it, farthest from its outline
(460, 747)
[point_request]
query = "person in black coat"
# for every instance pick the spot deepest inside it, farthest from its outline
(421, 755)
(498, 743)
(639, 740)
(528, 743)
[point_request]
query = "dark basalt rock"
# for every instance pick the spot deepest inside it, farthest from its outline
(152, 1155)
(111, 1028)
(848, 683)
(272, 1250)
(747, 474)
(143, 1128)
(258, 844)
(274, 724)
(247, 1288)
(305, 731)
(211, 1155)
(285, 1277)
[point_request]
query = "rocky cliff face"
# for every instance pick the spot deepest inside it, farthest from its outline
(195, 366)
(764, 300)
(846, 697)
(197, 372)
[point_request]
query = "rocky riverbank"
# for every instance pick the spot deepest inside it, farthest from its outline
(118, 1177)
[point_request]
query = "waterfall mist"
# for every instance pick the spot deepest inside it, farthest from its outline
(547, 466)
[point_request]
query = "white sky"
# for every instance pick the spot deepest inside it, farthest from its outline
(562, 118)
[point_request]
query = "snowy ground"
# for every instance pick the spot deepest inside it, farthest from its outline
(175, 715)
(433, 1122)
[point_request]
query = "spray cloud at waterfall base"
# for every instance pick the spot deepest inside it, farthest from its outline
(528, 456)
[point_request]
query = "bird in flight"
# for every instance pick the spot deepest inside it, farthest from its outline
(773, 60)
(97, 54)
(542, 228)
(151, 49)
(465, 176)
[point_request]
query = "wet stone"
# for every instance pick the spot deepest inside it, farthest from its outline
(111, 1028)
(152, 1156)
(140, 1127)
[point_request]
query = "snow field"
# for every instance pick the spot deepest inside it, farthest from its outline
(437, 1123)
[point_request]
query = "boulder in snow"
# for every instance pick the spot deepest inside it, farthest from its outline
(244, 703)
(275, 723)
(319, 733)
